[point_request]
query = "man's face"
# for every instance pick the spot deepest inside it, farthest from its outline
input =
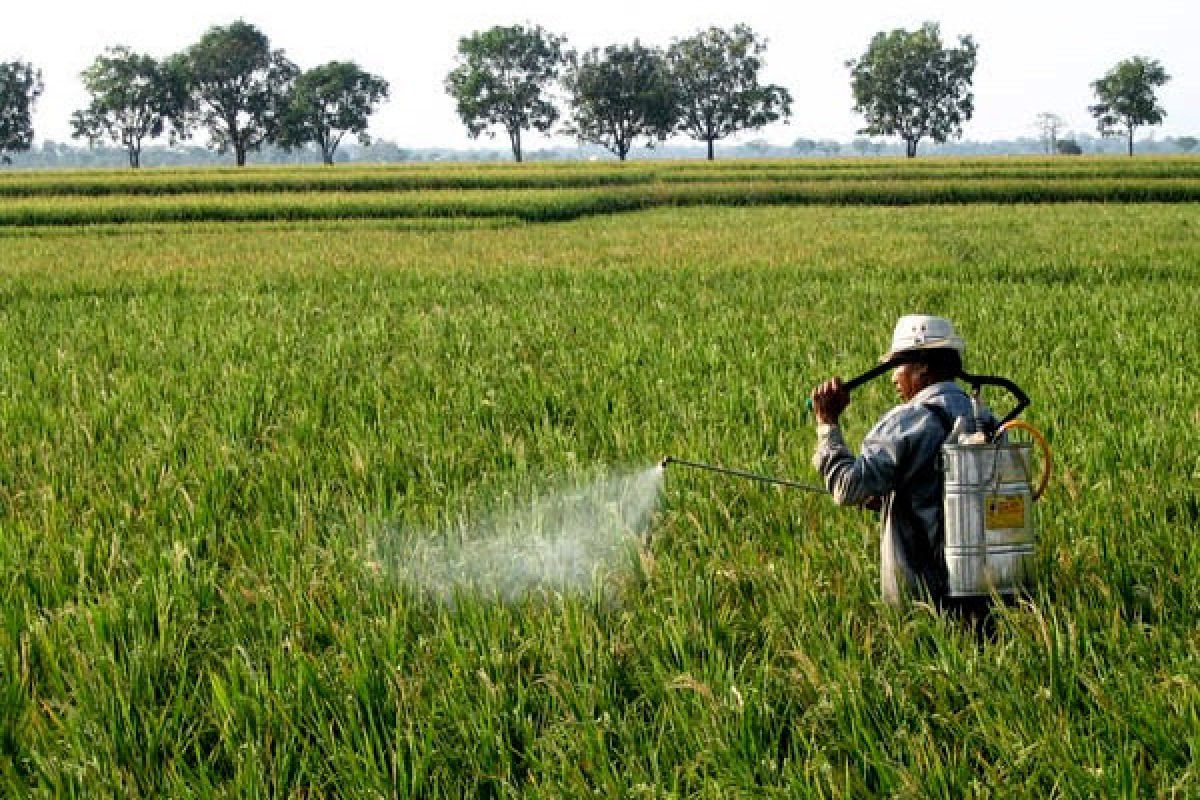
(909, 379)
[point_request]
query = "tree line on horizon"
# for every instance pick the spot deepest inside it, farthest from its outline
(69, 154)
(230, 84)
(704, 86)
(246, 95)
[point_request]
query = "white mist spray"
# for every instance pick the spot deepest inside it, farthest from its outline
(579, 539)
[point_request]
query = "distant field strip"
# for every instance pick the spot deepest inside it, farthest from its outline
(75, 204)
(392, 178)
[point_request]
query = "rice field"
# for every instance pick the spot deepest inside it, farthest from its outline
(221, 391)
(562, 192)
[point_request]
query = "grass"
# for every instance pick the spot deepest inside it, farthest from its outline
(206, 425)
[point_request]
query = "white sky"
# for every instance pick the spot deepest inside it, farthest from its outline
(1034, 56)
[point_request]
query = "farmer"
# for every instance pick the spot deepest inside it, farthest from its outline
(897, 472)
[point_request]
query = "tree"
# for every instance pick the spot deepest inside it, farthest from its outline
(20, 87)
(804, 146)
(236, 85)
(909, 85)
(1068, 147)
(502, 78)
(758, 147)
(1126, 97)
(714, 75)
(327, 102)
(1049, 125)
(866, 147)
(1186, 143)
(618, 95)
(829, 147)
(134, 97)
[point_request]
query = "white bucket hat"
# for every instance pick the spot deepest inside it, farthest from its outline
(923, 332)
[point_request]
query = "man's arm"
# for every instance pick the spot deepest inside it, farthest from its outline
(851, 481)
(856, 481)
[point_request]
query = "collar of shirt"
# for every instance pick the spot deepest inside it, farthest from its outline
(935, 390)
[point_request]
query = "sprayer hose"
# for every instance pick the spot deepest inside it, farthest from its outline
(1047, 457)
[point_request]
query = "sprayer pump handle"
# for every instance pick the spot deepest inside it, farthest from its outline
(874, 372)
(977, 382)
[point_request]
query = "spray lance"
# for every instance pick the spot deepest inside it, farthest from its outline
(741, 473)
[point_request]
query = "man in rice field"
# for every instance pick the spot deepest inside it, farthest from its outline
(897, 473)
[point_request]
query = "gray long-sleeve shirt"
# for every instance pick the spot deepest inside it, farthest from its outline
(898, 464)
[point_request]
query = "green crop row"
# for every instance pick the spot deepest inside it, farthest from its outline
(564, 176)
(543, 205)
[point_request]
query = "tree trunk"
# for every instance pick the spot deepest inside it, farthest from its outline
(1131, 140)
(910, 148)
(710, 149)
(514, 136)
(239, 153)
(135, 157)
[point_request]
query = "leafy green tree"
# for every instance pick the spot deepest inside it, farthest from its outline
(1126, 97)
(20, 87)
(502, 78)
(236, 86)
(715, 80)
(618, 95)
(327, 102)
(134, 97)
(907, 84)
(1186, 143)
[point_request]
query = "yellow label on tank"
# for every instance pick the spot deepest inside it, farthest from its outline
(1004, 511)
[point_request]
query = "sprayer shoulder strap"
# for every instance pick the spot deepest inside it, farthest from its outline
(942, 415)
(947, 422)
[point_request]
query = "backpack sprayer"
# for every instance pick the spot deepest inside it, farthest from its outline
(987, 486)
